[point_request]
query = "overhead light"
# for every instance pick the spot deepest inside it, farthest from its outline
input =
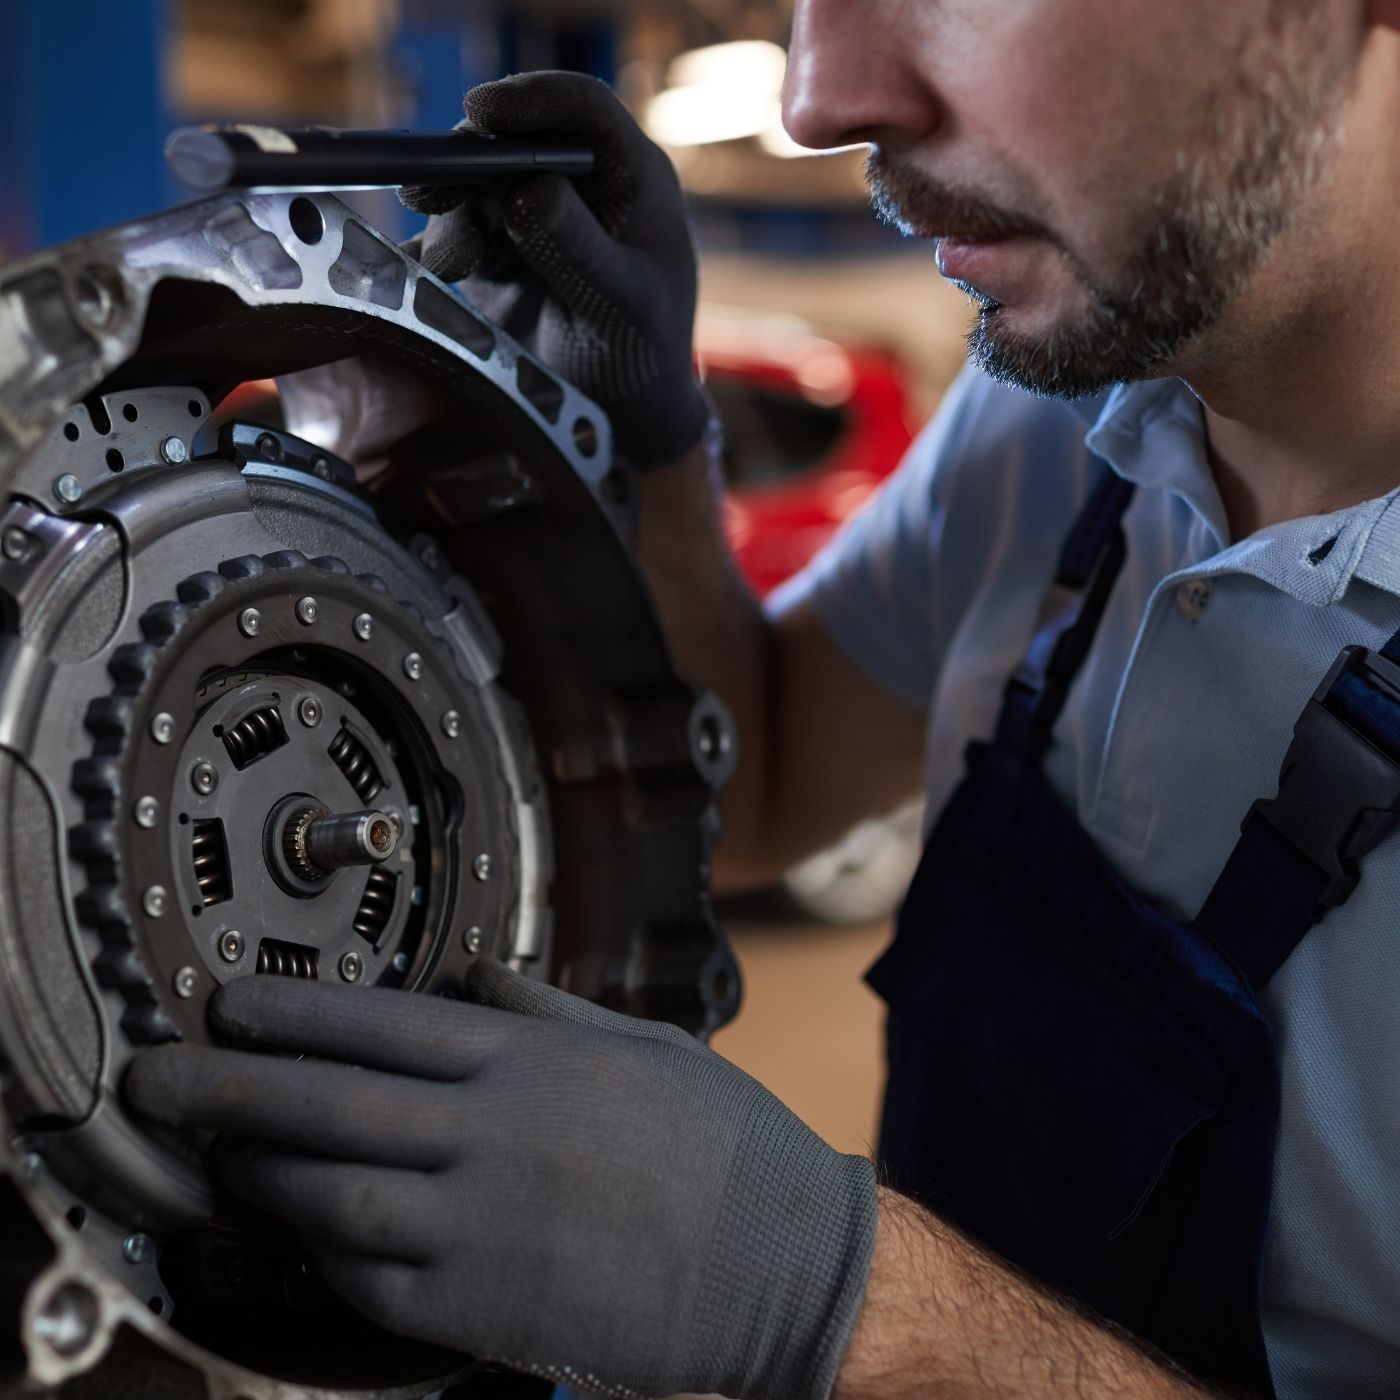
(726, 92)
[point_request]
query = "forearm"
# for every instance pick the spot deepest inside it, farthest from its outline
(943, 1318)
(719, 634)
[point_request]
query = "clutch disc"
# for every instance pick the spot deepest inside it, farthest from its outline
(320, 697)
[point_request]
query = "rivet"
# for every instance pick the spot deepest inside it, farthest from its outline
(400, 963)
(250, 622)
(308, 610)
(163, 728)
(137, 1248)
(268, 448)
(415, 814)
(351, 967)
(363, 627)
(16, 544)
(146, 811)
(31, 1166)
(413, 666)
(322, 467)
(481, 866)
(185, 982)
(204, 778)
(231, 945)
(174, 451)
(154, 900)
(471, 939)
(416, 896)
(452, 724)
(309, 711)
(68, 489)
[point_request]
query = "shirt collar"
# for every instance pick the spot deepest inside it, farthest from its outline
(1152, 433)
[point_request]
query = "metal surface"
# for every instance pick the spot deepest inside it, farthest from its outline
(481, 665)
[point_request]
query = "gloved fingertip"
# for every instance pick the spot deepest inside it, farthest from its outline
(149, 1083)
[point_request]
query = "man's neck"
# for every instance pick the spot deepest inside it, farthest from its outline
(1303, 410)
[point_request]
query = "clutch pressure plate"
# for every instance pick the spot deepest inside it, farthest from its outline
(361, 691)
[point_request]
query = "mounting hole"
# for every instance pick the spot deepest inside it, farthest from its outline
(196, 910)
(586, 436)
(130, 412)
(115, 460)
(99, 295)
(70, 431)
(156, 1305)
(196, 408)
(721, 986)
(306, 220)
(184, 818)
(77, 1217)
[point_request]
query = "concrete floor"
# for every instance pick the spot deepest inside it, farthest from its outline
(809, 1028)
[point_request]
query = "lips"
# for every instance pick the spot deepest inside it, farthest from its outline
(991, 264)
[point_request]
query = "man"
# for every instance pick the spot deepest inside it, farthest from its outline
(1193, 202)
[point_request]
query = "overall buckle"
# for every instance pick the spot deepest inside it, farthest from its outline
(1338, 794)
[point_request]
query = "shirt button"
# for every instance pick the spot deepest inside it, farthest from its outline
(1192, 597)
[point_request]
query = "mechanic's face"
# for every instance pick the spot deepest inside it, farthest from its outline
(1102, 175)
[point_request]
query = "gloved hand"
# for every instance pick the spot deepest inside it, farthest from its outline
(592, 1198)
(595, 277)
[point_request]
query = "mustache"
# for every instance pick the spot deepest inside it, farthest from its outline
(922, 207)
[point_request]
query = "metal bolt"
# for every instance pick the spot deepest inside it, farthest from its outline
(31, 1166)
(415, 814)
(16, 544)
(163, 728)
(174, 451)
(481, 866)
(309, 711)
(268, 448)
(204, 778)
(471, 939)
(417, 895)
(452, 724)
(137, 1248)
(68, 489)
(154, 900)
(250, 622)
(231, 945)
(185, 982)
(322, 467)
(146, 811)
(364, 627)
(308, 610)
(400, 963)
(413, 666)
(429, 557)
(351, 967)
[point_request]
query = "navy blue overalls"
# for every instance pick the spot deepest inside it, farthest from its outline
(1081, 1083)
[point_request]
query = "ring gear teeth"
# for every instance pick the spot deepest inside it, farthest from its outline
(112, 721)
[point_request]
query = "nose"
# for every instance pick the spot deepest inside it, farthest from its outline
(851, 77)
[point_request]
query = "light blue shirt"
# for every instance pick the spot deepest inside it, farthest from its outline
(1179, 720)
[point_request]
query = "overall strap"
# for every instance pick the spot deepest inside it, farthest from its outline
(1070, 615)
(1299, 852)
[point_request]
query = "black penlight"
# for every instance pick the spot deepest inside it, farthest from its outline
(209, 158)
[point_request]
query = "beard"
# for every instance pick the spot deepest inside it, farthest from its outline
(1263, 143)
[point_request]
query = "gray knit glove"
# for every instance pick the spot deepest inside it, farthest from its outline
(571, 1192)
(595, 277)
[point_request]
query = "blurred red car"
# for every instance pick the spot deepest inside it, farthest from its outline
(812, 427)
